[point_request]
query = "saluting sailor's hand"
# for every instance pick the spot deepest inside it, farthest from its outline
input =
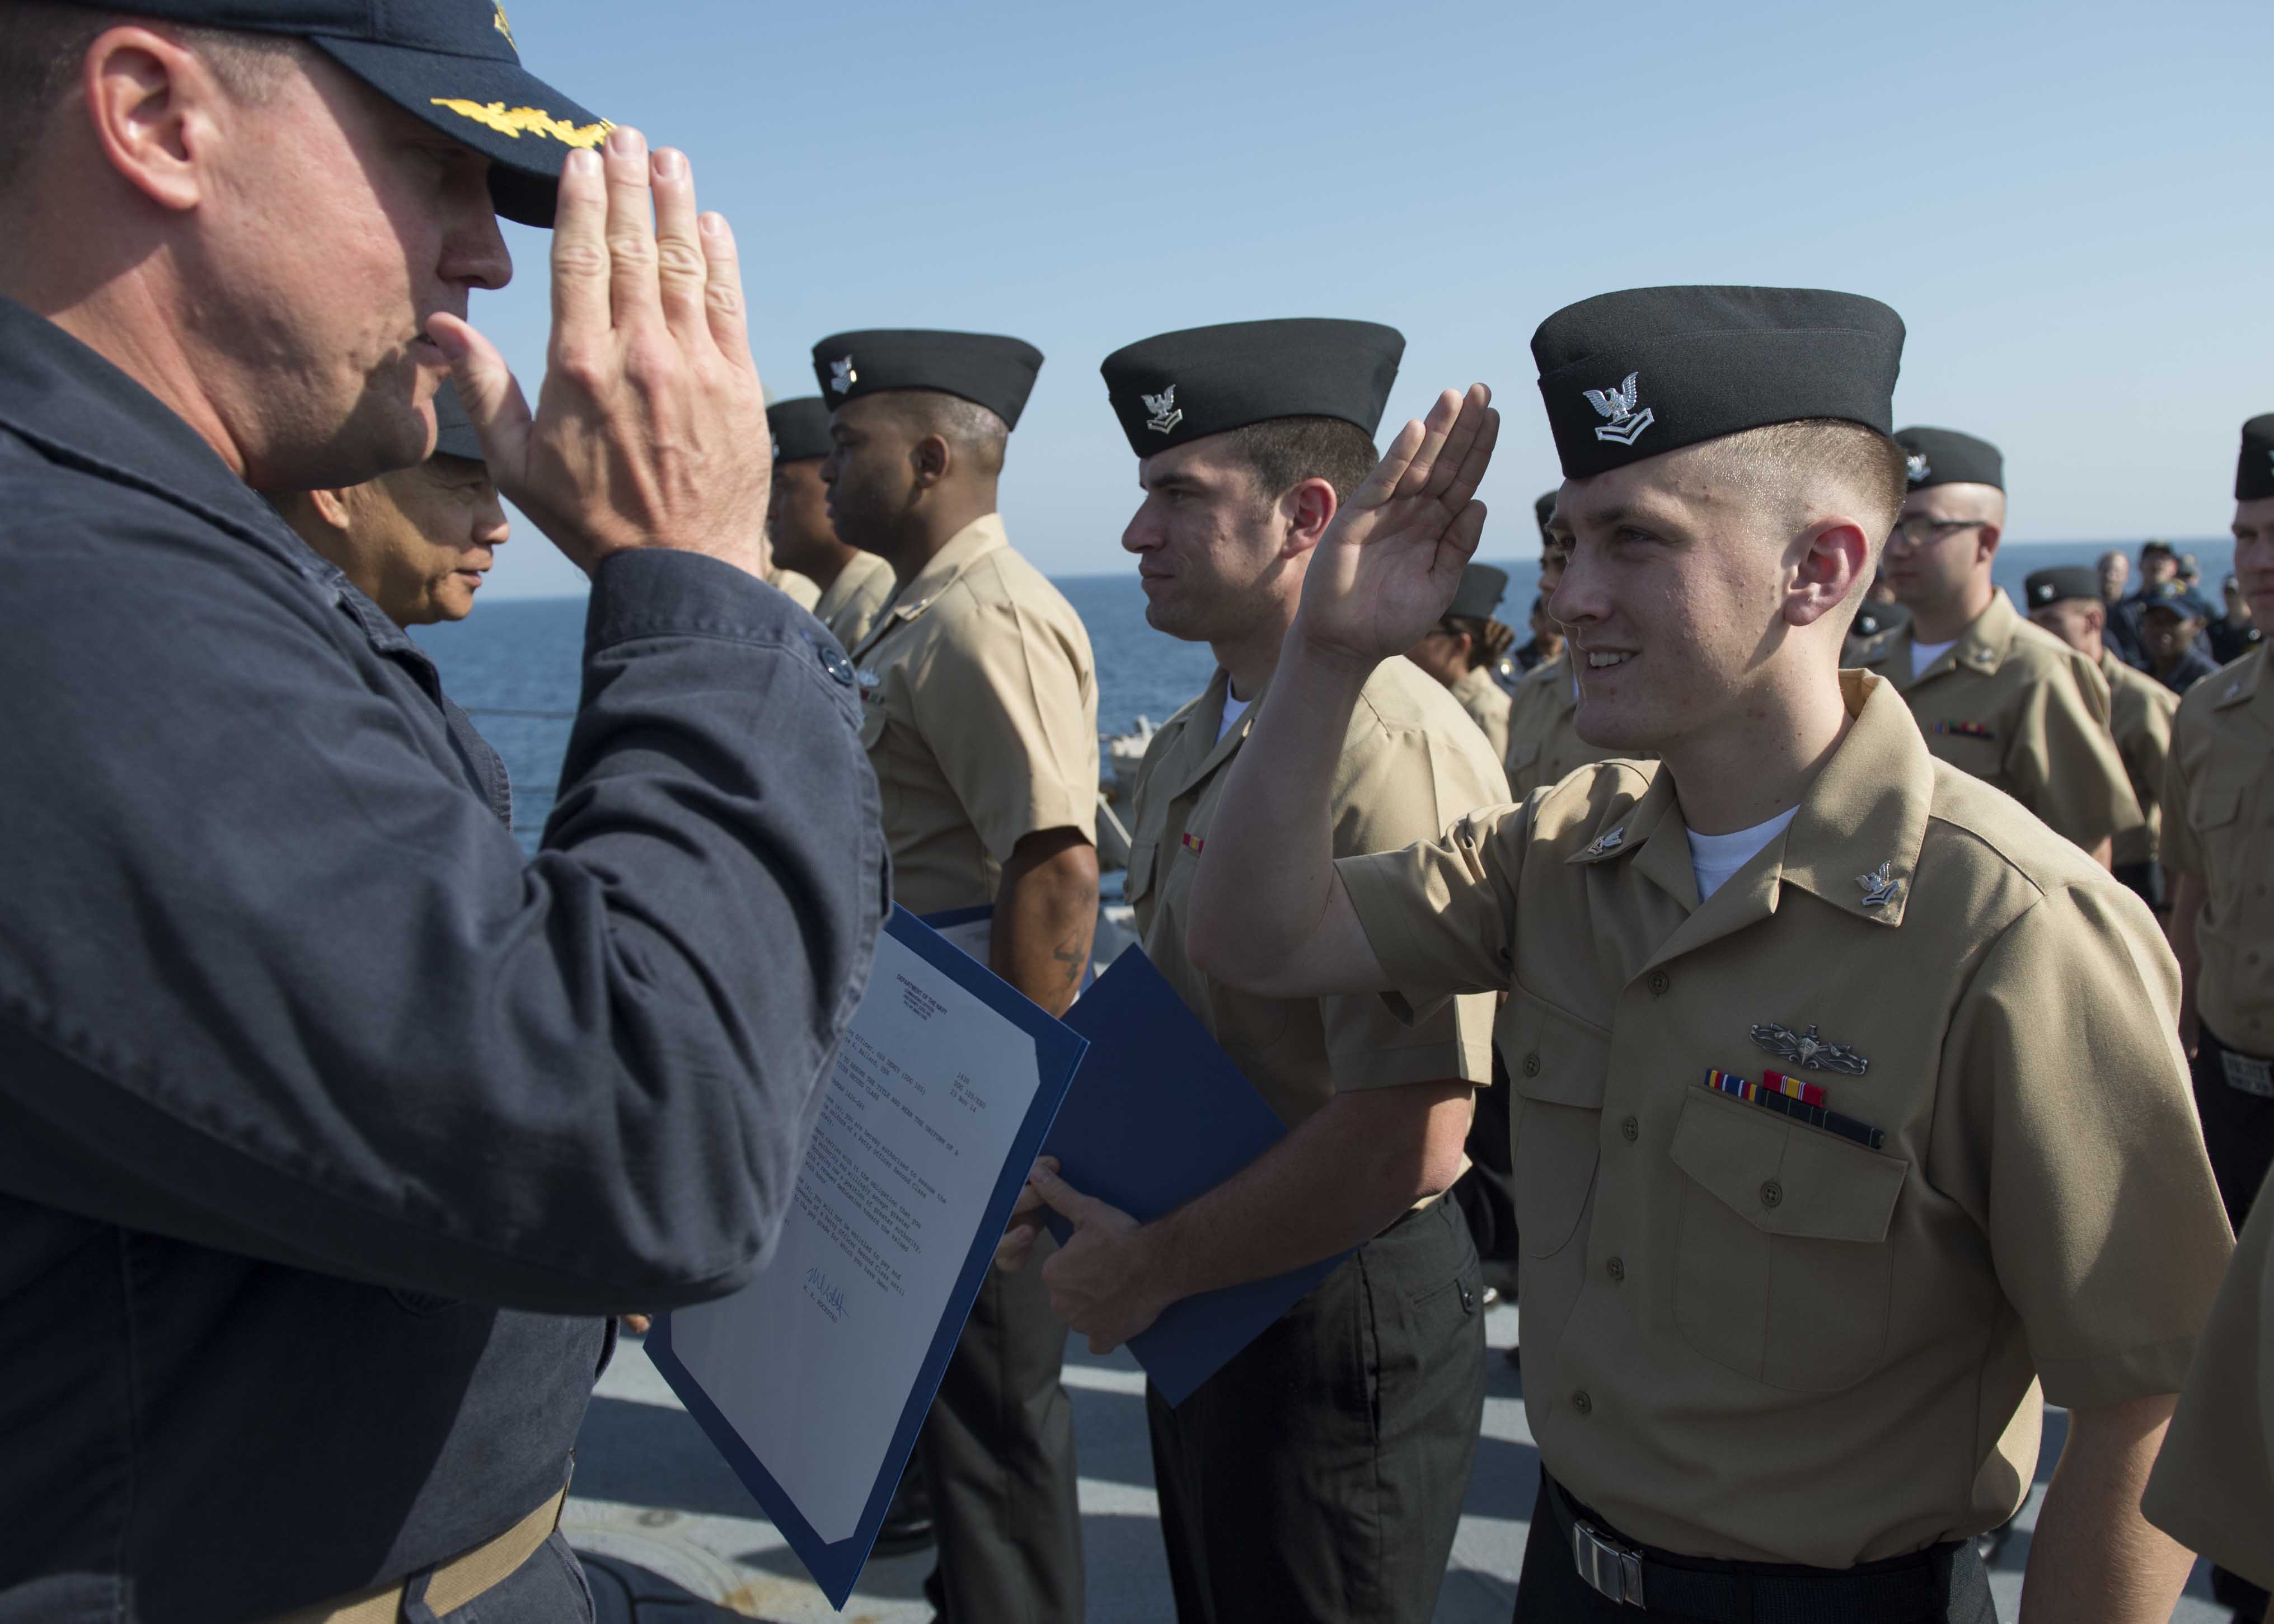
(1103, 1282)
(651, 428)
(1386, 571)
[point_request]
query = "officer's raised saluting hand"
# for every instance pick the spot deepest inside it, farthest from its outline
(651, 428)
(1387, 569)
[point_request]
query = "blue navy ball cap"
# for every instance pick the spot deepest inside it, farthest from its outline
(453, 64)
(2177, 597)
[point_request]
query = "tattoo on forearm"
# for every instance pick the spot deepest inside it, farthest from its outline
(1071, 956)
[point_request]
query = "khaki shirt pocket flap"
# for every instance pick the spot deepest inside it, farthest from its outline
(1553, 1056)
(1138, 882)
(1523, 750)
(1557, 1064)
(1783, 1176)
(2214, 806)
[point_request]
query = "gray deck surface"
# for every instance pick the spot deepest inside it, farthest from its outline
(650, 1489)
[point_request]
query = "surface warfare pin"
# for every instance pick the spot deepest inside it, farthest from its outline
(1808, 1050)
(1166, 413)
(1619, 406)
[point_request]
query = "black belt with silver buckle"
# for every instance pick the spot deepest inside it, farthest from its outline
(1716, 1592)
(1606, 1567)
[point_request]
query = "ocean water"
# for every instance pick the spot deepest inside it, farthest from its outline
(515, 665)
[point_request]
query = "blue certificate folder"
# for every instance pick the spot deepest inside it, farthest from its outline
(1058, 1051)
(1159, 1115)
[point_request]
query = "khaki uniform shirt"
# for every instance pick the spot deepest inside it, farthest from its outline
(979, 711)
(2213, 1486)
(2218, 792)
(2015, 706)
(1543, 746)
(1748, 1337)
(849, 607)
(800, 590)
(1486, 703)
(2140, 710)
(1411, 764)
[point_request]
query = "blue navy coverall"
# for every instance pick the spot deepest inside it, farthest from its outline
(329, 1129)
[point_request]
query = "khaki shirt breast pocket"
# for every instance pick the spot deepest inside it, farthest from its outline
(2214, 812)
(1556, 1064)
(1783, 1271)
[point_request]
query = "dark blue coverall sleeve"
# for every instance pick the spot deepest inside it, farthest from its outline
(274, 979)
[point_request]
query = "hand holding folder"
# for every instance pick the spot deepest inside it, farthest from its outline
(1159, 1114)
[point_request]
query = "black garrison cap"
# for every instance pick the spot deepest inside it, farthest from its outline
(1479, 593)
(454, 430)
(1180, 386)
(451, 62)
(1627, 376)
(1543, 511)
(2051, 586)
(1945, 456)
(801, 428)
(2254, 474)
(992, 370)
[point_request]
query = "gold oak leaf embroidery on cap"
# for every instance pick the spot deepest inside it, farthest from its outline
(519, 121)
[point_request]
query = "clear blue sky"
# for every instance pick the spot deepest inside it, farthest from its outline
(2072, 206)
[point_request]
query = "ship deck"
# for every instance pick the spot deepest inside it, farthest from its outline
(651, 1489)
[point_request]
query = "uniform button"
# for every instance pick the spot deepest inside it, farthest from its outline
(1772, 1194)
(1581, 1403)
(1531, 1066)
(1631, 1129)
(1616, 1268)
(1658, 982)
(834, 661)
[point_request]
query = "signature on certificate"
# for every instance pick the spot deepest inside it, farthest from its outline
(823, 1294)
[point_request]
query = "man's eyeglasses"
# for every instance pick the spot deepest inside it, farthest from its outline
(1919, 531)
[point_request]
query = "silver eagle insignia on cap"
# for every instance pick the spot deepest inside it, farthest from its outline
(841, 375)
(1166, 413)
(1915, 468)
(1806, 1048)
(1881, 886)
(1626, 424)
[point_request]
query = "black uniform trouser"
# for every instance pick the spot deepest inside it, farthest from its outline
(1320, 1474)
(2239, 1133)
(998, 1453)
(1943, 1584)
(2238, 1129)
(2145, 880)
(1487, 1192)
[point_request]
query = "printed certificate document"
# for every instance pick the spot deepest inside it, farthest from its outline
(813, 1379)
